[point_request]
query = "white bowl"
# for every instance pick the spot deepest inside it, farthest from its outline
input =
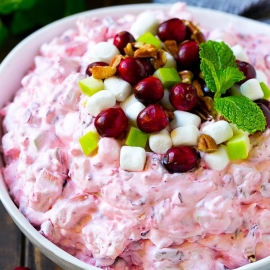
(20, 59)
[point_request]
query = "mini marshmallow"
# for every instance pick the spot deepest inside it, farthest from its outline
(185, 135)
(132, 112)
(217, 160)
(165, 101)
(132, 158)
(126, 103)
(145, 22)
(220, 131)
(182, 118)
(103, 51)
(239, 53)
(100, 101)
(252, 89)
(120, 88)
(160, 142)
(261, 76)
(170, 62)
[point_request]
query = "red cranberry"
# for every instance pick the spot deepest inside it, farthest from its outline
(248, 70)
(180, 159)
(188, 55)
(111, 122)
(173, 29)
(264, 102)
(121, 40)
(183, 96)
(264, 106)
(131, 70)
(149, 68)
(88, 70)
(152, 119)
(149, 90)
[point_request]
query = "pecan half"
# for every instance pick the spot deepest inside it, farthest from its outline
(147, 50)
(206, 144)
(103, 72)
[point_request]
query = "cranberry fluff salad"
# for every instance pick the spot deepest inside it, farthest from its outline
(142, 142)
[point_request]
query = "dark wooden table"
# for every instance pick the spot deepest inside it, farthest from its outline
(15, 249)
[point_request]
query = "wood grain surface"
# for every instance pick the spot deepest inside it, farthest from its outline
(15, 249)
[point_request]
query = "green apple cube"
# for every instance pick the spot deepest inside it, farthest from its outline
(168, 77)
(150, 39)
(90, 85)
(238, 147)
(266, 90)
(89, 142)
(136, 137)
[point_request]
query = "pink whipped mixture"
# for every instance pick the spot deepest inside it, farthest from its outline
(116, 219)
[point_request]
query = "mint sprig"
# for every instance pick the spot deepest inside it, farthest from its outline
(220, 72)
(241, 111)
(218, 66)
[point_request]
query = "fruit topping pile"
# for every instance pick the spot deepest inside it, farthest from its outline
(171, 92)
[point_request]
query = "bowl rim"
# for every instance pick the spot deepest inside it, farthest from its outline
(51, 30)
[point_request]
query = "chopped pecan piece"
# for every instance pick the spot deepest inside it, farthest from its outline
(160, 61)
(129, 50)
(198, 37)
(196, 34)
(100, 72)
(252, 258)
(171, 46)
(206, 144)
(198, 87)
(116, 60)
(147, 50)
(208, 103)
(137, 44)
(205, 108)
(169, 114)
(186, 76)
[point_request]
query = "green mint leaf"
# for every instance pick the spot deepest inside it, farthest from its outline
(210, 76)
(242, 112)
(219, 53)
(228, 77)
(218, 66)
